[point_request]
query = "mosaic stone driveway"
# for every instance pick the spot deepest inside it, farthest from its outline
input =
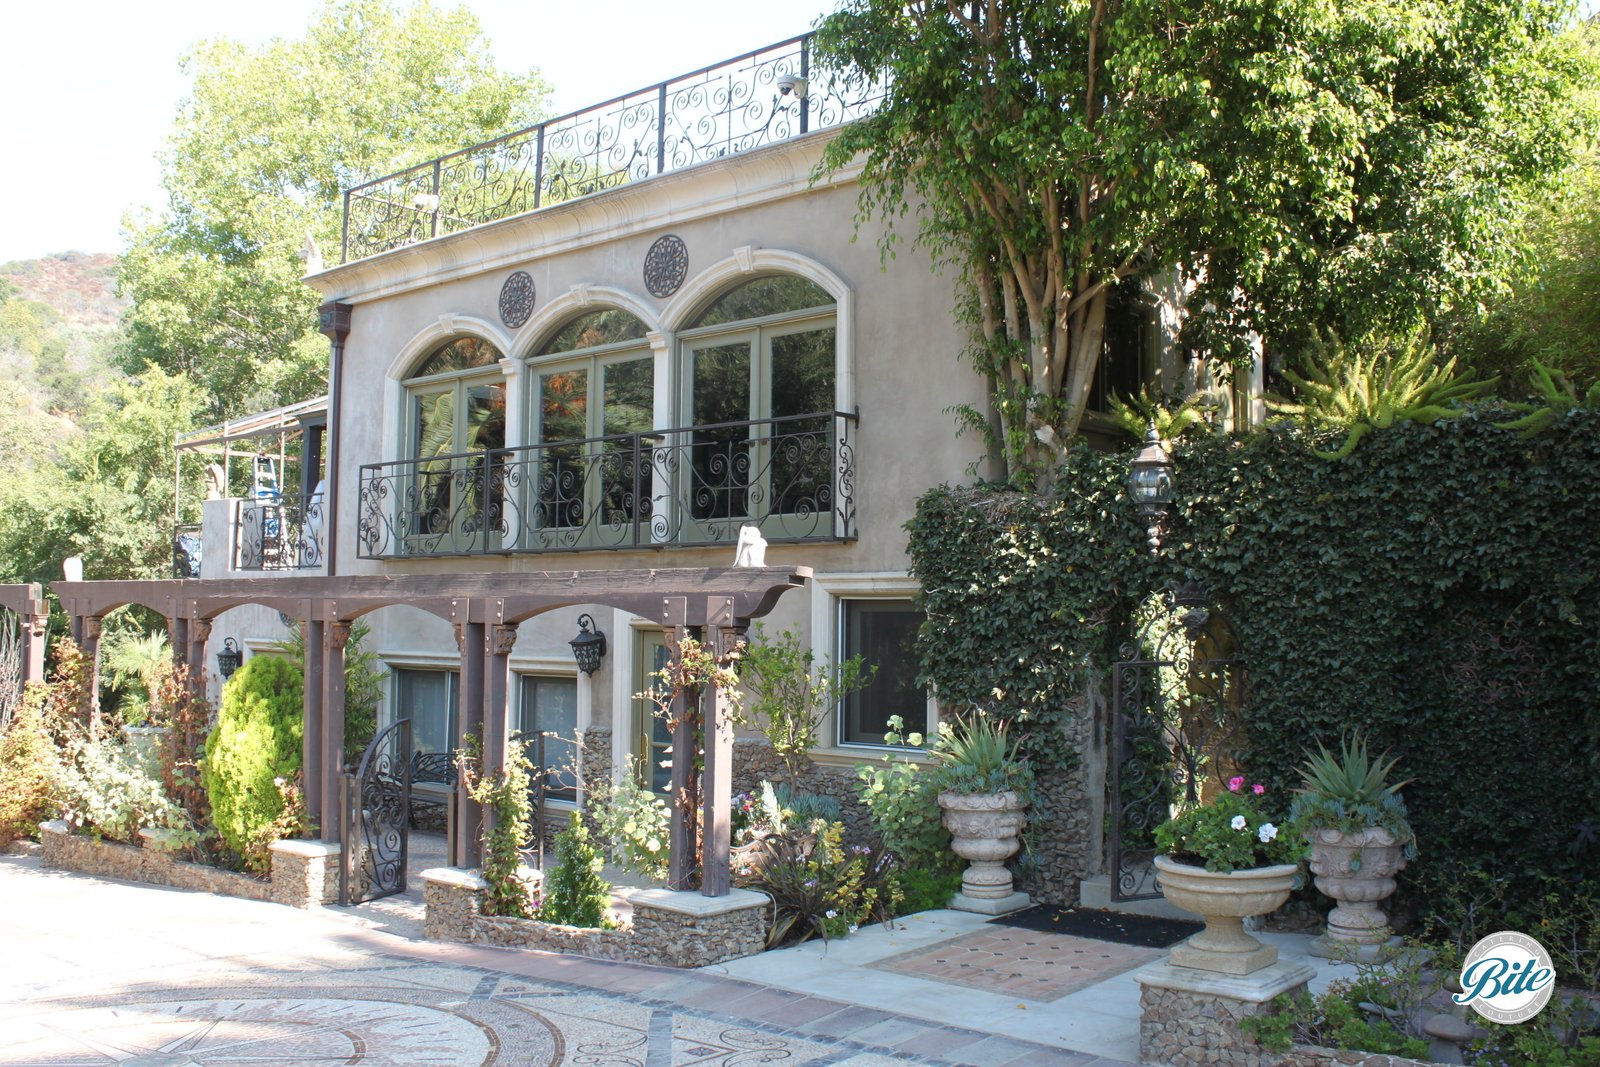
(100, 972)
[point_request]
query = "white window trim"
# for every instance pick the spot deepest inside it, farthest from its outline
(827, 592)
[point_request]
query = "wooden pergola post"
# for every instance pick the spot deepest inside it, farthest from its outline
(469, 720)
(496, 703)
(322, 811)
(33, 612)
(337, 636)
(199, 632)
(716, 785)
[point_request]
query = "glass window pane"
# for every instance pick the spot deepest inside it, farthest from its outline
(720, 459)
(802, 448)
(550, 709)
(802, 373)
(428, 699)
(486, 418)
(464, 353)
(563, 417)
(884, 633)
(653, 743)
(765, 296)
(627, 407)
(629, 402)
(606, 327)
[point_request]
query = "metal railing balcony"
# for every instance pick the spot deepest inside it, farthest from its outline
(280, 533)
(793, 477)
(734, 106)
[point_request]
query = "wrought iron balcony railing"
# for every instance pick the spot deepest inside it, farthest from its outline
(279, 534)
(793, 477)
(743, 103)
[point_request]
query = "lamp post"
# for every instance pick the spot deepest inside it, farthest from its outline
(1150, 485)
(229, 659)
(589, 647)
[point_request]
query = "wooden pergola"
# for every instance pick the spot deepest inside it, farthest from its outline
(33, 612)
(714, 604)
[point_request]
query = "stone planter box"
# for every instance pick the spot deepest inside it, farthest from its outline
(305, 874)
(667, 929)
(1313, 1056)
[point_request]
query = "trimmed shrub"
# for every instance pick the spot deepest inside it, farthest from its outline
(574, 892)
(256, 741)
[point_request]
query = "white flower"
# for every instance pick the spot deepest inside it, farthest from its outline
(1268, 832)
(1240, 822)
(854, 928)
(831, 914)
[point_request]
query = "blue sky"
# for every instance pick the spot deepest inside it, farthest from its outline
(90, 86)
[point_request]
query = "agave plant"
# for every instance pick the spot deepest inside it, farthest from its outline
(1344, 390)
(975, 757)
(1350, 791)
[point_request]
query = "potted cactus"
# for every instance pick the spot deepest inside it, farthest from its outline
(1355, 821)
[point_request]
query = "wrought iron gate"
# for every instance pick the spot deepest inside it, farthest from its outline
(1176, 701)
(375, 811)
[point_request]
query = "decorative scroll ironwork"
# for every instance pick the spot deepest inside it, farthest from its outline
(186, 550)
(375, 810)
(794, 477)
(666, 265)
(1176, 711)
(516, 300)
(280, 534)
(730, 107)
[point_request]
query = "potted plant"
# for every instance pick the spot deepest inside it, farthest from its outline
(984, 792)
(1356, 824)
(1226, 861)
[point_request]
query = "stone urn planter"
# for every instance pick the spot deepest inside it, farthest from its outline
(1226, 900)
(1355, 868)
(985, 830)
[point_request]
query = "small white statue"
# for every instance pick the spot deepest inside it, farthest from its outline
(752, 550)
(216, 481)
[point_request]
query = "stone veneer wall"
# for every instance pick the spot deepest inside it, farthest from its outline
(1182, 1029)
(666, 929)
(594, 767)
(300, 879)
(1067, 825)
(1312, 1056)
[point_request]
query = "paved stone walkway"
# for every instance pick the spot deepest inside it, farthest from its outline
(102, 972)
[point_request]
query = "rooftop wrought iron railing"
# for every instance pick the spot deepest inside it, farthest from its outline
(793, 477)
(743, 103)
(280, 533)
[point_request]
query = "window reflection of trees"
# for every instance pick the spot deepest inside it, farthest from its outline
(458, 438)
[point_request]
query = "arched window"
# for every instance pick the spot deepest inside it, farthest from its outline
(593, 386)
(758, 384)
(455, 421)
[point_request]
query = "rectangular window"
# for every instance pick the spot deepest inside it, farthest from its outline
(429, 698)
(548, 722)
(884, 633)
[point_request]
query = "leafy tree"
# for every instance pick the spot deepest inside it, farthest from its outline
(1300, 164)
(792, 695)
(364, 675)
(261, 152)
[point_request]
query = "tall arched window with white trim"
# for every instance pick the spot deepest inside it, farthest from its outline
(758, 381)
(456, 437)
(593, 384)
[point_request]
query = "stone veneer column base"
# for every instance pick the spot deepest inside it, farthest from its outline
(1190, 1018)
(668, 929)
(305, 874)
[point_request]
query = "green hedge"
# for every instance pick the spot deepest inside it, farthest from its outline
(1440, 588)
(257, 740)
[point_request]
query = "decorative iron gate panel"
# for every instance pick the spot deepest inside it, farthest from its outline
(1177, 697)
(375, 811)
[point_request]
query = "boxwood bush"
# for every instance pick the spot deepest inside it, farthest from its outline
(256, 741)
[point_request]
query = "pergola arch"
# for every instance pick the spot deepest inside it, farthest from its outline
(485, 610)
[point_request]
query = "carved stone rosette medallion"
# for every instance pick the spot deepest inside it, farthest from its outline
(516, 300)
(666, 265)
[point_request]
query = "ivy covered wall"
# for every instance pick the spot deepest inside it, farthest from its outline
(1440, 587)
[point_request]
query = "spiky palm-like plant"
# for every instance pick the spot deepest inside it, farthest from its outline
(1556, 397)
(1342, 389)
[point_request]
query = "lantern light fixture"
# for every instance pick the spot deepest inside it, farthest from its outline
(589, 647)
(229, 659)
(1150, 485)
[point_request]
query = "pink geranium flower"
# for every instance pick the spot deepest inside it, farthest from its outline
(1258, 789)
(1235, 784)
